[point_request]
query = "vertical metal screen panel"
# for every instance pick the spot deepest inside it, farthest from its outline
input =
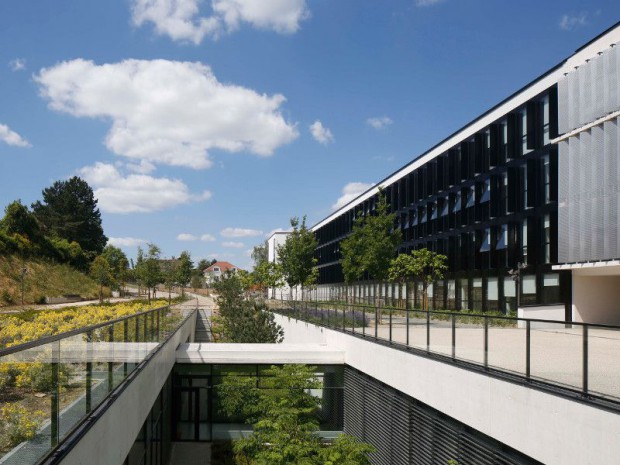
(597, 155)
(563, 120)
(574, 102)
(589, 171)
(599, 107)
(610, 189)
(563, 200)
(610, 79)
(585, 112)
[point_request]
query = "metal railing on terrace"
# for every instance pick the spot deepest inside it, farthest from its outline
(51, 386)
(576, 358)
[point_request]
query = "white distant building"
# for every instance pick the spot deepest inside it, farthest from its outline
(215, 271)
(276, 239)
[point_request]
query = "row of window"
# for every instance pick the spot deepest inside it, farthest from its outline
(493, 293)
(500, 145)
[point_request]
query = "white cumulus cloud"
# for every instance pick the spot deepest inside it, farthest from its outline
(379, 122)
(240, 232)
(18, 64)
(207, 238)
(233, 245)
(185, 237)
(126, 241)
(320, 133)
(349, 192)
(12, 138)
(136, 193)
(571, 22)
(167, 112)
(182, 19)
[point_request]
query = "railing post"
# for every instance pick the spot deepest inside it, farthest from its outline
(528, 348)
(453, 336)
(376, 322)
(111, 364)
(428, 330)
(390, 325)
(407, 323)
(364, 321)
(125, 339)
(54, 404)
(353, 319)
(344, 318)
(486, 342)
(585, 359)
(89, 371)
(157, 322)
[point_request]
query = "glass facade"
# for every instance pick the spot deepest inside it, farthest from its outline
(487, 203)
(197, 391)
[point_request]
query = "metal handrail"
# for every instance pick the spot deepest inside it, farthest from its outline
(458, 313)
(74, 332)
(342, 308)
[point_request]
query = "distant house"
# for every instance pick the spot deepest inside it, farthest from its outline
(215, 271)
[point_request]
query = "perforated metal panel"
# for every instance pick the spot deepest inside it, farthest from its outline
(406, 431)
(589, 202)
(590, 91)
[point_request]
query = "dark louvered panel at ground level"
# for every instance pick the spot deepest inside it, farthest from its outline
(408, 432)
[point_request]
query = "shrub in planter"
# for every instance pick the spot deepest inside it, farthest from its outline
(37, 377)
(8, 373)
(18, 424)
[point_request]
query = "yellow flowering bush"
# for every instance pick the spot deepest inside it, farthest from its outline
(18, 424)
(37, 376)
(8, 373)
(33, 325)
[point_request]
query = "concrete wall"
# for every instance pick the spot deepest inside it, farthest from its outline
(542, 312)
(548, 428)
(596, 299)
(109, 440)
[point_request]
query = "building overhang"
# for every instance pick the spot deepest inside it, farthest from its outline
(269, 354)
(601, 268)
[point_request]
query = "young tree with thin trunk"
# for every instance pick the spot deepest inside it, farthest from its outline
(101, 272)
(184, 271)
(371, 246)
(422, 264)
(296, 256)
(148, 268)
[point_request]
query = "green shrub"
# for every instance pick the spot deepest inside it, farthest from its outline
(37, 377)
(7, 297)
(18, 424)
(8, 373)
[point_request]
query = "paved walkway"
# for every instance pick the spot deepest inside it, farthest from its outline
(556, 353)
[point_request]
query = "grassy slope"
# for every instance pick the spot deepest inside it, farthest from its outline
(43, 279)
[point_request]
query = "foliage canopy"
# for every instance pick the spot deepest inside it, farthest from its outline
(69, 211)
(296, 255)
(371, 245)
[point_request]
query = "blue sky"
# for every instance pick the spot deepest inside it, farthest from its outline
(204, 125)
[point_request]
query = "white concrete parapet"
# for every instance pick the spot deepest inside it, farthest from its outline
(315, 354)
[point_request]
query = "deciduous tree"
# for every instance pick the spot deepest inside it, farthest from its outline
(371, 245)
(184, 272)
(296, 256)
(422, 264)
(101, 272)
